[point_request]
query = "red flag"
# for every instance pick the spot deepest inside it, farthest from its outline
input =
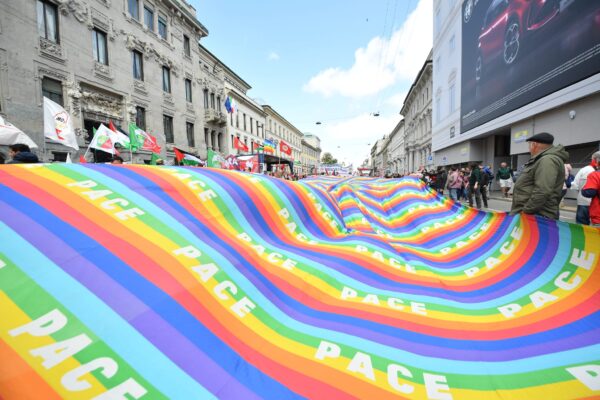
(285, 148)
(112, 126)
(238, 144)
(82, 159)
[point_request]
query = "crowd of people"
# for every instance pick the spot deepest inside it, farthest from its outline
(538, 190)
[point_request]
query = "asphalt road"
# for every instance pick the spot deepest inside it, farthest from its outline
(504, 205)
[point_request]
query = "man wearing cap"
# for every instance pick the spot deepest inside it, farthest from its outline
(538, 189)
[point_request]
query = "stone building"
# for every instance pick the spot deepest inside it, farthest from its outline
(417, 119)
(278, 129)
(121, 61)
(311, 154)
(247, 122)
(396, 158)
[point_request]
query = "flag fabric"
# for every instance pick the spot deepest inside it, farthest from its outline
(155, 158)
(228, 106)
(69, 161)
(82, 159)
(119, 138)
(238, 144)
(188, 283)
(268, 146)
(214, 159)
(285, 148)
(102, 140)
(10, 134)
(185, 158)
(58, 125)
(142, 139)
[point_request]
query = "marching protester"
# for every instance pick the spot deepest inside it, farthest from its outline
(539, 187)
(583, 203)
(21, 154)
(505, 178)
(454, 183)
(475, 181)
(117, 160)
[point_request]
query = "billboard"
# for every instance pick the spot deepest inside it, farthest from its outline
(517, 51)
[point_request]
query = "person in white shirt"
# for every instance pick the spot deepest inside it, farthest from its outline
(583, 203)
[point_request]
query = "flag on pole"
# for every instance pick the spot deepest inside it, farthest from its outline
(119, 137)
(102, 140)
(238, 144)
(69, 161)
(58, 125)
(185, 158)
(82, 159)
(156, 158)
(143, 140)
(10, 134)
(230, 105)
(285, 148)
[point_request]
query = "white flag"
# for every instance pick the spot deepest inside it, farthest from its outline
(69, 161)
(58, 125)
(103, 140)
(10, 134)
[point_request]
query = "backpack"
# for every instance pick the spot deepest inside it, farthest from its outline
(569, 180)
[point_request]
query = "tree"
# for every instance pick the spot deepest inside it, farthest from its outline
(328, 159)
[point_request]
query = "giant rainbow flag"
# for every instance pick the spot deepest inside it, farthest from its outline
(192, 283)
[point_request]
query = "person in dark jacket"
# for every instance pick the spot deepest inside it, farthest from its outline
(475, 180)
(21, 154)
(538, 188)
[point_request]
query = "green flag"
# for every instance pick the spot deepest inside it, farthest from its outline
(214, 159)
(154, 159)
(136, 137)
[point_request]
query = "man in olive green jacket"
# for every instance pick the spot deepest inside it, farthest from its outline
(538, 189)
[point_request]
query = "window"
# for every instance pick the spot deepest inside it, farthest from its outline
(188, 90)
(166, 74)
(138, 65)
(212, 101)
(438, 110)
(140, 117)
(47, 20)
(244, 121)
(149, 18)
(218, 103)
(99, 45)
(186, 45)
(168, 128)
(451, 99)
(52, 89)
(189, 129)
(162, 27)
(251, 125)
(205, 98)
(237, 119)
(134, 8)
(206, 137)
(452, 43)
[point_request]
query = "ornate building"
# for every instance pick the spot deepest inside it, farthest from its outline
(396, 159)
(278, 129)
(417, 120)
(121, 61)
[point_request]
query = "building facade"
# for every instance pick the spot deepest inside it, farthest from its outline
(447, 46)
(311, 154)
(554, 96)
(247, 121)
(279, 129)
(121, 61)
(396, 159)
(417, 119)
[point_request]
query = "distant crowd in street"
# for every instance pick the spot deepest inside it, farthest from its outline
(538, 190)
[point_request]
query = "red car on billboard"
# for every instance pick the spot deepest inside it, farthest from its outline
(507, 26)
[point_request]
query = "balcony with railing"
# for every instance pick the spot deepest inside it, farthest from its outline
(215, 116)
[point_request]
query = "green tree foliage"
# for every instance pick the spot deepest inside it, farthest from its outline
(327, 158)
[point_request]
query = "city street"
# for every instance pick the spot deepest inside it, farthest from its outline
(567, 213)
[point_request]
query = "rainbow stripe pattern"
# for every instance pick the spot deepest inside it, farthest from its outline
(191, 283)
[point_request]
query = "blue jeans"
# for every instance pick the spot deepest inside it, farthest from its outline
(583, 215)
(454, 194)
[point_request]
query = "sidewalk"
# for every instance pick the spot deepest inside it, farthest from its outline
(568, 204)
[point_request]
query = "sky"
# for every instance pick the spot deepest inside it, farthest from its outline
(337, 62)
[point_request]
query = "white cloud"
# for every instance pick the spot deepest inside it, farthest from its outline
(397, 100)
(355, 136)
(273, 56)
(383, 62)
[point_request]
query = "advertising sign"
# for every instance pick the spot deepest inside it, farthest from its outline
(517, 51)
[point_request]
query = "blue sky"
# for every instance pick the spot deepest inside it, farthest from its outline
(334, 61)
